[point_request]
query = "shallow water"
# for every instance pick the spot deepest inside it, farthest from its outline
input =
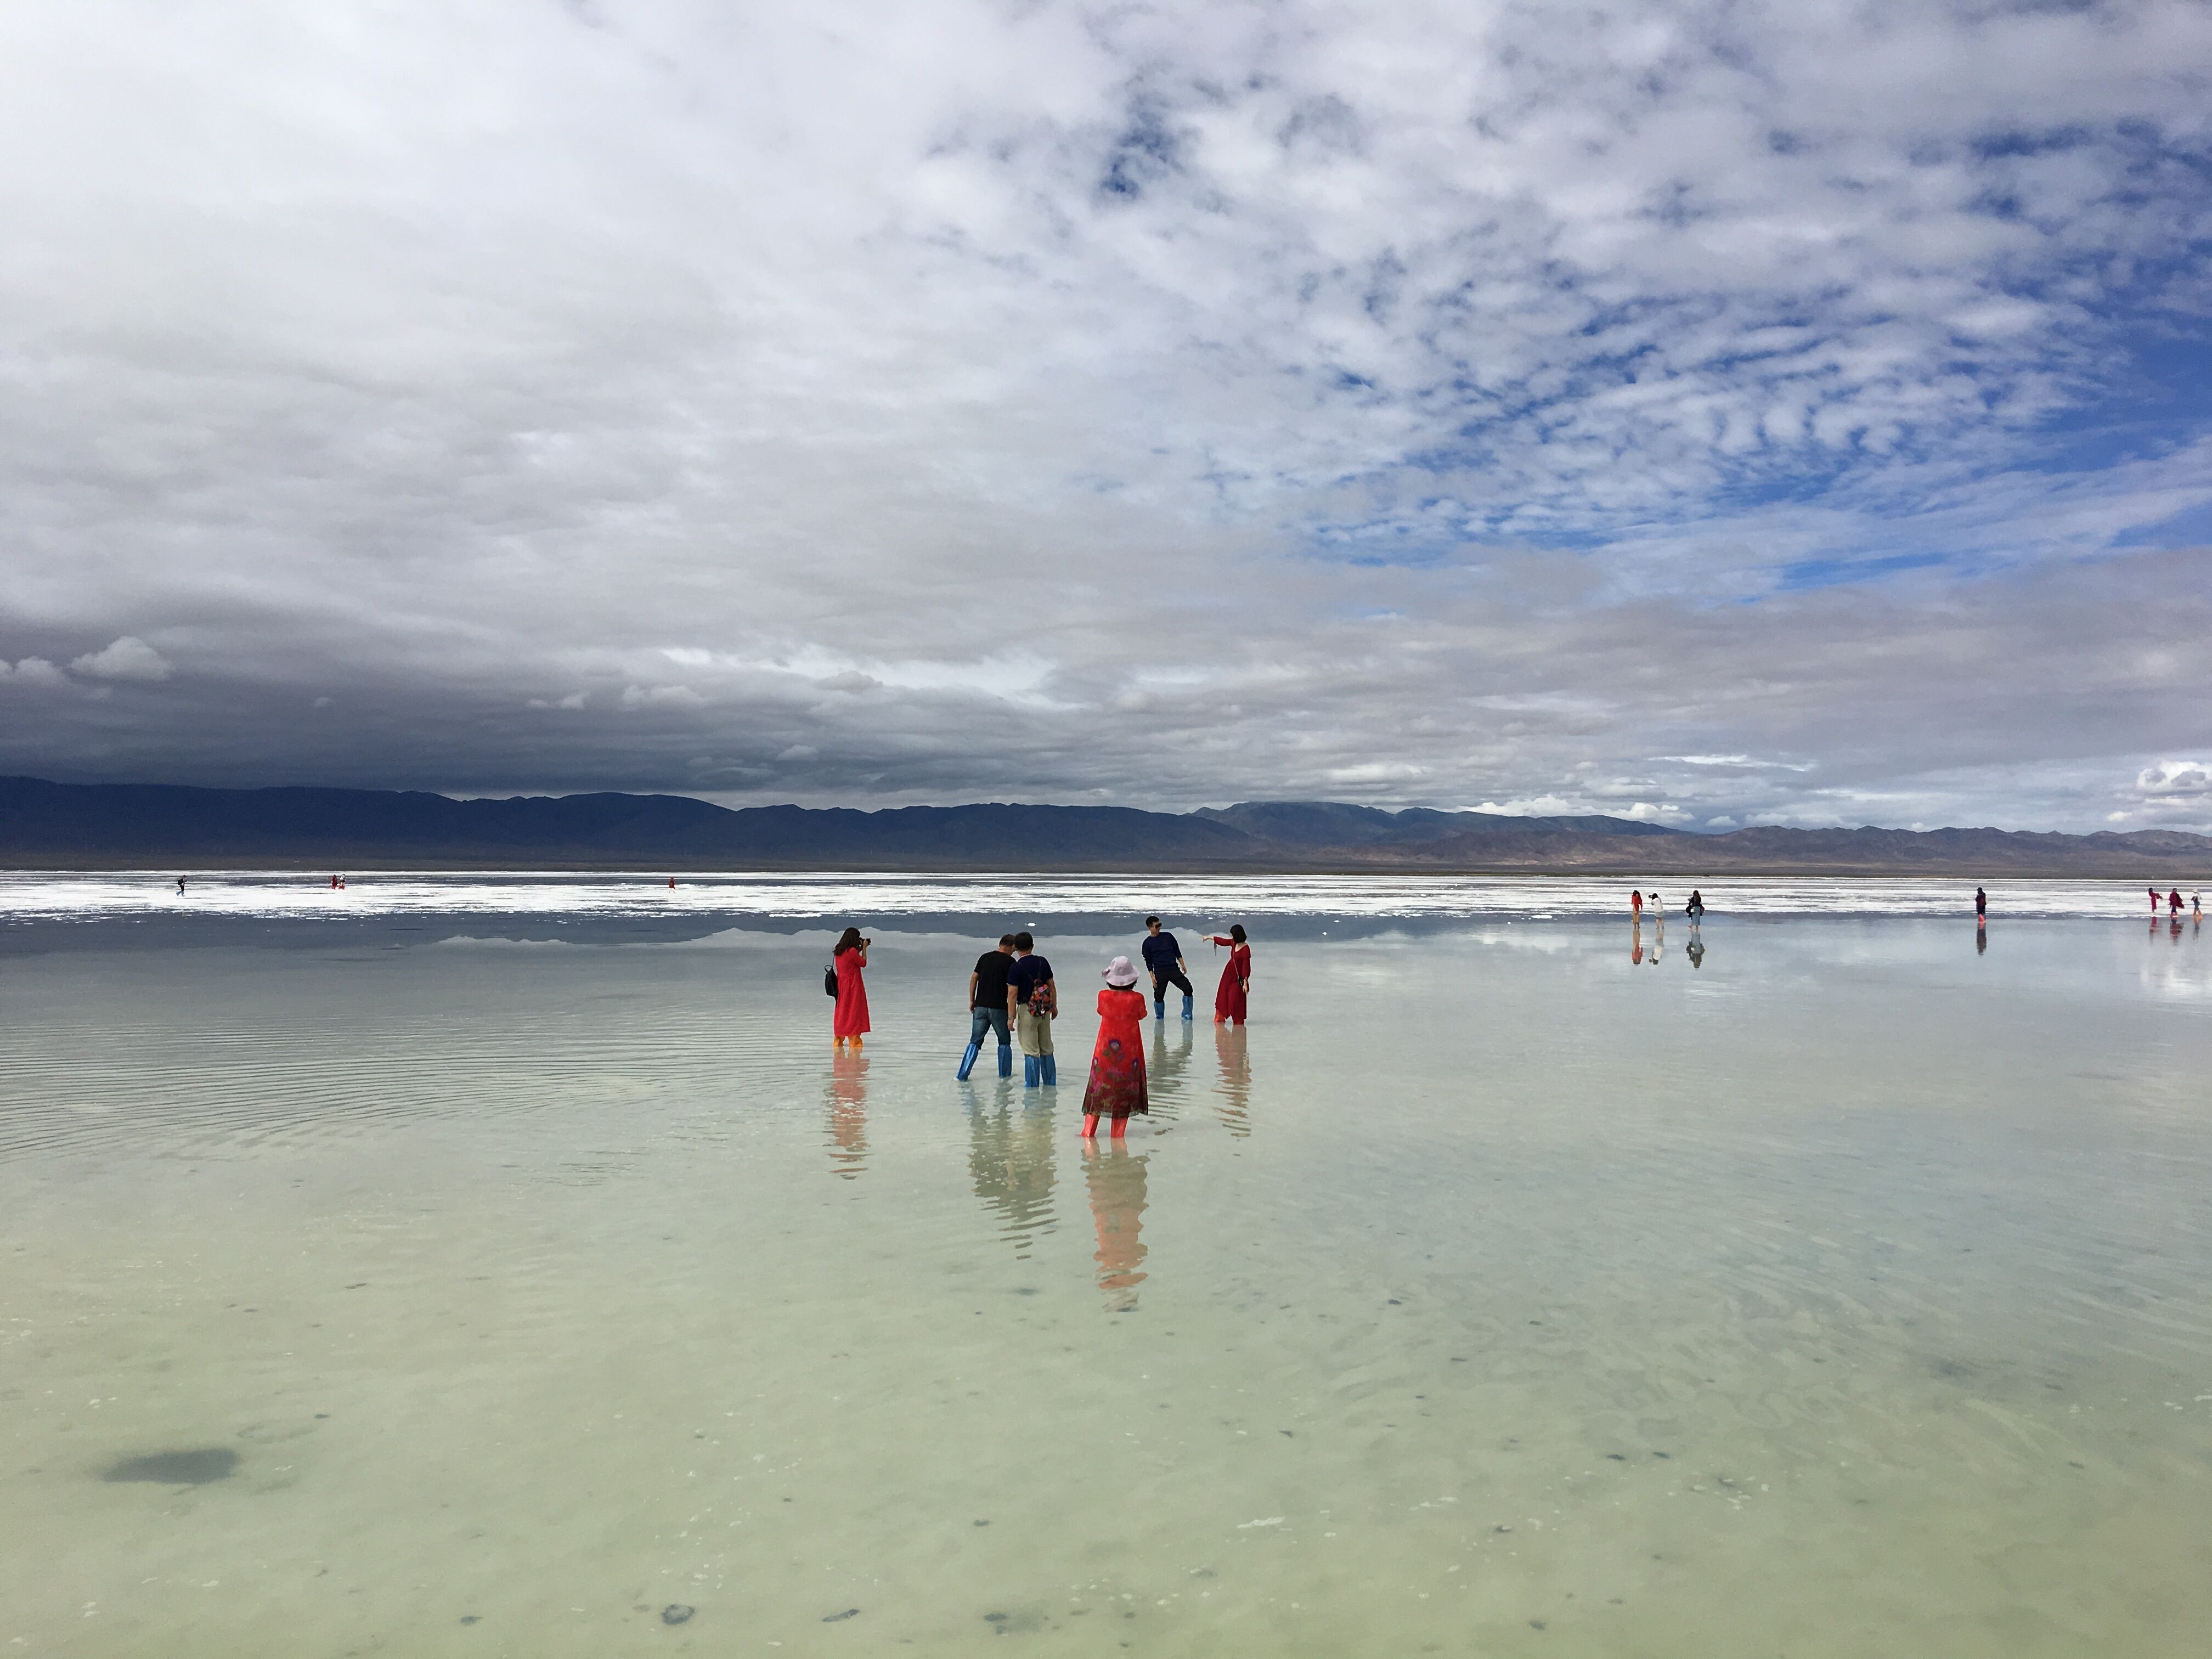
(419, 1284)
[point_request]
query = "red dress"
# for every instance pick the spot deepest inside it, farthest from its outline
(1117, 1060)
(1229, 998)
(852, 1016)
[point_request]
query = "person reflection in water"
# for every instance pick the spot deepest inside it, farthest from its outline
(1116, 1181)
(1010, 1163)
(1230, 1048)
(1165, 1069)
(1636, 941)
(1697, 952)
(848, 1114)
(1981, 940)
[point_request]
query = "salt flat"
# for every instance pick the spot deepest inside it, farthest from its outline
(1507, 1287)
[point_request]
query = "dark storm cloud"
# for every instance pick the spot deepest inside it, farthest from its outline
(1697, 413)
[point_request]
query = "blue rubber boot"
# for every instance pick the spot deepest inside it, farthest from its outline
(1185, 1005)
(1029, 1069)
(1005, 1060)
(1159, 1007)
(1051, 1073)
(968, 1059)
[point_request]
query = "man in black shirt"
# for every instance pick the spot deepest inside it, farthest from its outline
(987, 1008)
(1165, 957)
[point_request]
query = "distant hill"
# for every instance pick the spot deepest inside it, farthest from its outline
(58, 825)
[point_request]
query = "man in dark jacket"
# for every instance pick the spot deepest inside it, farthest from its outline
(1163, 957)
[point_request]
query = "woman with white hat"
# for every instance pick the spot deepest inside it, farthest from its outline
(1117, 1062)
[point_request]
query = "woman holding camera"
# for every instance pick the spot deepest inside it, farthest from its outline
(851, 961)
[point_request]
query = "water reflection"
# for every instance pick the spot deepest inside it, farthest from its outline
(1696, 950)
(1116, 1180)
(1010, 1160)
(1981, 938)
(1635, 943)
(1235, 1100)
(848, 1114)
(1165, 1067)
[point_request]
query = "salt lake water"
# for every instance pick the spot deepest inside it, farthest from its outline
(498, 1265)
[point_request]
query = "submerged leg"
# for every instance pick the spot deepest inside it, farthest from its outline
(1120, 1126)
(1051, 1072)
(1090, 1125)
(1187, 1000)
(1005, 1060)
(1029, 1069)
(968, 1059)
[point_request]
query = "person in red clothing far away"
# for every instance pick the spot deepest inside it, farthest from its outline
(1116, 1089)
(850, 1021)
(1636, 904)
(1230, 996)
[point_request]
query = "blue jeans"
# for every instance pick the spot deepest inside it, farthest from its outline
(982, 1019)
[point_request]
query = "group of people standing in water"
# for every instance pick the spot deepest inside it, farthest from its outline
(1012, 995)
(2173, 900)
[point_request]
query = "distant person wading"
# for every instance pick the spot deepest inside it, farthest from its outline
(991, 1007)
(1230, 997)
(1163, 959)
(1117, 1088)
(1036, 1004)
(849, 965)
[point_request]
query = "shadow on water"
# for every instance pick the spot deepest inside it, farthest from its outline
(196, 1467)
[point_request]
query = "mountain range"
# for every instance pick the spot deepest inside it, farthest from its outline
(45, 825)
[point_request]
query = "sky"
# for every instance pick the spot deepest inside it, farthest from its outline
(1710, 413)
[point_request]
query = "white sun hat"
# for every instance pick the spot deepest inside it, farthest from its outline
(1119, 975)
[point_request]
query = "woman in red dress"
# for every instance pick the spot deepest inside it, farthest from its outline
(1117, 1061)
(1236, 978)
(851, 1019)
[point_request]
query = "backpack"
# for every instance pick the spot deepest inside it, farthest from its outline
(829, 979)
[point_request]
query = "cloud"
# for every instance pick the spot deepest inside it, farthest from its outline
(128, 659)
(33, 670)
(1163, 405)
(660, 697)
(2175, 781)
(1374, 772)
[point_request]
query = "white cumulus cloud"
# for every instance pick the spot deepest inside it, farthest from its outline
(128, 659)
